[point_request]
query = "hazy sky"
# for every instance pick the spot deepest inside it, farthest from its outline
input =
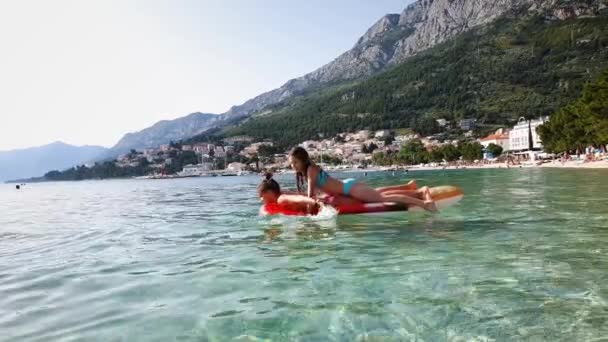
(87, 72)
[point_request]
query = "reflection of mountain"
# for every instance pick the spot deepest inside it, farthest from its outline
(36, 161)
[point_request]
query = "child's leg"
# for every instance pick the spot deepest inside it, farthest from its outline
(367, 194)
(423, 194)
(428, 199)
(412, 193)
(411, 185)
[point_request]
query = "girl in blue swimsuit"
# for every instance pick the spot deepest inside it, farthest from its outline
(317, 178)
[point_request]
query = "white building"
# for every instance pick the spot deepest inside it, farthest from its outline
(149, 152)
(201, 148)
(442, 122)
(236, 167)
(382, 133)
(467, 124)
(196, 170)
(363, 135)
(253, 148)
(519, 135)
(400, 140)
(308, 144)
(500, 139)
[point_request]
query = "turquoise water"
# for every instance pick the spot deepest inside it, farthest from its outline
(524, 256)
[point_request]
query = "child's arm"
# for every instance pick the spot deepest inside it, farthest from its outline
(312, 181)
(306, 203)
(296, 199)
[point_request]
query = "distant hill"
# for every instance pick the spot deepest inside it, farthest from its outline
(165, 131)
(36, 161)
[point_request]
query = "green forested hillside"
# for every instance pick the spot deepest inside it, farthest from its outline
(582, 123)
(517, 66)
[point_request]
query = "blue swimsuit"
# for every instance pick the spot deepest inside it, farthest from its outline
(347, 184)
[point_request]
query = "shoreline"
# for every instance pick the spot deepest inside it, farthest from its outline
(603, 164)
(553, 164)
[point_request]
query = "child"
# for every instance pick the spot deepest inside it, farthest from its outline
(318, 178)
(270, 193)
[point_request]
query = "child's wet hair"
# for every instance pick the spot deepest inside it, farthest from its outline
(269, 184)
(301, 154)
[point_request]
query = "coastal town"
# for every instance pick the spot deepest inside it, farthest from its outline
(395, 170)
(519, 146)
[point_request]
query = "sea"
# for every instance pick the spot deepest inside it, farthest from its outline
(523, 257)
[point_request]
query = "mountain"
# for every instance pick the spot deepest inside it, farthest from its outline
(165, 131)
(396, 37)
(35, 161)
(530, 60)
(390, 42)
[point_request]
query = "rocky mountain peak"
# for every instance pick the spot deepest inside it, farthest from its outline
(391, 40)
(381, 27)
(396, 37)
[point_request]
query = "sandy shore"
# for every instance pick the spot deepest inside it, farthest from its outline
(556, 164)
(578, 165)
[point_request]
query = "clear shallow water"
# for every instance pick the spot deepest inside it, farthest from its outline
(524, 256)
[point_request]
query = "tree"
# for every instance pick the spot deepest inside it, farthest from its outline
(425, 126)
(496, 150)
(581, 123)
(471, 151)
(436, 155)
(413, 152)
(450, 152)
(143, 162)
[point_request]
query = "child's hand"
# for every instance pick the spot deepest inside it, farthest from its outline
(313, 208)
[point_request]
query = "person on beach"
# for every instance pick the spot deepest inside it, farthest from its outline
(317, 178)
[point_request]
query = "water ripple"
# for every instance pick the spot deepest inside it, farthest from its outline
(523, 257)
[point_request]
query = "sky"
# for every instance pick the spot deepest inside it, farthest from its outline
(86, 72)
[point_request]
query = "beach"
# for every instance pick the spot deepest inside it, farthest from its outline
(603, 164)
